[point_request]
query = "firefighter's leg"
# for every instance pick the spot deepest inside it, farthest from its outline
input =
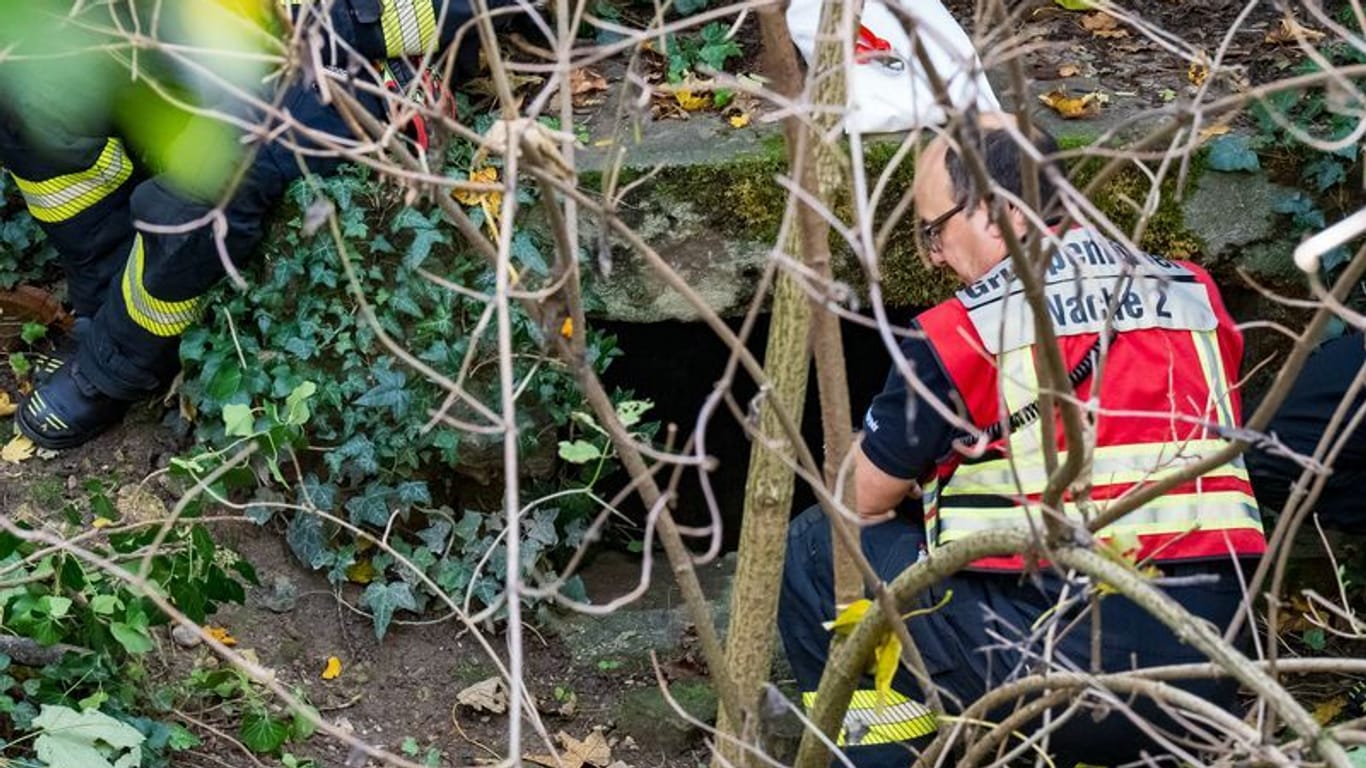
(78, 188)
(131, 349)
(876, 734)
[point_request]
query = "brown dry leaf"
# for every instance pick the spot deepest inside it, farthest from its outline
(1101, 24)
(485, 696)
(1072, 107)
(19, 449)
(584, 83)
(689, 102)
(7, 406)
(1289, 32)
(593, 750)
(1069, 70)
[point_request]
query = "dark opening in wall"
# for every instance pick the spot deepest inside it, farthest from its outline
(677, 365)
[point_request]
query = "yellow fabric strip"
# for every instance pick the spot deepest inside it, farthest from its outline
(63, 197)
(158, 317)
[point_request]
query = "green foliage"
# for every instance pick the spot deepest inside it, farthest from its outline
(300, 371)
(1232, 153)
(25, 253)
(262, 725)
(708, 46)
(57, 598)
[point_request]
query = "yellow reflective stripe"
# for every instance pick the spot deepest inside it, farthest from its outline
(158, 317)
(1206, 345)
(1210, 511)
(61, 198)
(1111, 465)
(409, 27)
(900, 719)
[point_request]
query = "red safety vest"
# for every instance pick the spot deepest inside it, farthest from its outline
(1165, 390)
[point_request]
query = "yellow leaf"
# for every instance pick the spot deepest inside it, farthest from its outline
(1069, 70)
(567, 328)
(1329, 709)
(1289, 31)
(1075, 5)
(888, 657)
(101, 522)
(739, 121)
(362, 572)
(1197, 72)
(6, 406)
(1212, 131)
(19, 449)
(221, 635)
(849, 618)
(333, 669)
(688, 101)
(1072, 108)
(487, 175)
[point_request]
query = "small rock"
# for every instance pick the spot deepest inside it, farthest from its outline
(283, 595)
(185, 637)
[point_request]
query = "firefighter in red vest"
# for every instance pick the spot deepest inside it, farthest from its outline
(1148, 343)
(142, 246)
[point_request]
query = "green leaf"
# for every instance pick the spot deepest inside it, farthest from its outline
(182, 738)
(1232, 153)
(262, 733)
(238, 420)
(296, 405)
(1075, 5)
(69, 738)
(689, 7)
(225, 382)
(31, 332)
(579, 451)
(384, 599)
(133, 639)
(371, 506)
(105, 604)
(630, 411)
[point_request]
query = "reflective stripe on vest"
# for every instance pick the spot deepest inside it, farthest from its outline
(158, 317)
(64, 197)
(865, 724)
(409, 27)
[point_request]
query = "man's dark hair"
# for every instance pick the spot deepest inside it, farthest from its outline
(1001, 155)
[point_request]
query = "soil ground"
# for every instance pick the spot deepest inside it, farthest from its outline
(406, 685)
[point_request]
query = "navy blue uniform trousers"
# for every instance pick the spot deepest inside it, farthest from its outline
(973, 642)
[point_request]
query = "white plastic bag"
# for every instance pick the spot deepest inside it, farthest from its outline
(892, 92)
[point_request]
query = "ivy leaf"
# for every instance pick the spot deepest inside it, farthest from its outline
(225, 382)
(1231, 153)
(579, 451)
(384, 599)
(689, 7)
(305, 539)
(1324, 173)
(388, 393)
(71, 738)
(371, 506)
(262, 733)
(238, 420)
(434, 536)
(296, 405)
(133, 639)
(524, 250)
(630, 411)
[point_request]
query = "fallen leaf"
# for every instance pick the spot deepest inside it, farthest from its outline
(1212, 131)
(1102, 24)
(567, 328)
(1329, 709)
(1289, 32)
(689, 102)
(1075, 5)
(101, 522)
(7, 406)
(485, 696)
(739, 121)
(333, 668)
(221, 635)
(593, 750)
(1069, 70)
(1197, 72)
(488, 175)
(19, 449)
(1072, 107)
(584, 83)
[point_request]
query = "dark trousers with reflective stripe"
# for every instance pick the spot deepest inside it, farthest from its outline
(973, 643)
(126, 354)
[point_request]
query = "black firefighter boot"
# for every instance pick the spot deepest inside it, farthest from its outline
(67, 410)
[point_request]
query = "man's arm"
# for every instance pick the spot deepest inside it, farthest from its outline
(876, 493)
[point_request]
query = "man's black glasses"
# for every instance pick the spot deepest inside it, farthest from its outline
(930, 231)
